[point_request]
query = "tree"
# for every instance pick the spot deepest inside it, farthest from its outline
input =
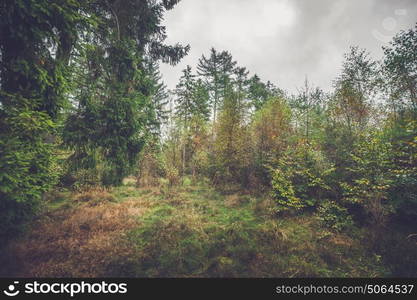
(241, 84)
(184, 91)
(158, 110)
(201, 98)
(209, 70)
(400, 67)
(36, 42)
(349, 112)
(185, 107)
(307, 107)
(226, 72)
(271, 129)
(230, 153)
(259, 92)
(355, 88)
(402, 136)
(192, 104)
(111, 117)
(400, 82)
(216, 72)
(300, 177)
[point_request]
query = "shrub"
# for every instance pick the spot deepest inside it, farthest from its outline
(334, 216)
(299, 178)
(283, 192)
(371, 178)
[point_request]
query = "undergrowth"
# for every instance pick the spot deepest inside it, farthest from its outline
(192, 231)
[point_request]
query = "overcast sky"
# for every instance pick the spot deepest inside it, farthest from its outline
(285, 40)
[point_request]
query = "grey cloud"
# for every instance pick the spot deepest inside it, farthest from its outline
(285, 40)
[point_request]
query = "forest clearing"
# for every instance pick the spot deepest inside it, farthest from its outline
(105, 171)
(191, 231)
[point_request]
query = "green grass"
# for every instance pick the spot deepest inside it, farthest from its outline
(58, 200)
(195, 231)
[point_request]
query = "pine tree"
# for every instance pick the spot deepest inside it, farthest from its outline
(185, 95)
(201, 98)
(209, 69)
(112, 116)
(185, 107)
(158, 109)
(227, 71)
(36, 42)
(241, 83)
(257, 92)
(217, 71)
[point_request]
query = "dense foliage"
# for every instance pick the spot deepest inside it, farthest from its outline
(83, 105)
(76, 69)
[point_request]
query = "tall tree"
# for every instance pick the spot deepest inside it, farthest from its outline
(270, 127)
(259, 92)
(355, 87)
(36, 42)
(216, 71)
(230, 153)
(185, 95)
(109, 121)
(227, 71)
(159, 98)
(241, 83)
(307, 107)
(192, 102)
(201, 98)
(400, 66)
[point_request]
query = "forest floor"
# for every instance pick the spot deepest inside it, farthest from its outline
(189, 231)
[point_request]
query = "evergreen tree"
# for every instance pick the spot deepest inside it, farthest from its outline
(241, 83)
(258, 92)
(36, 41)
(216, 71)
(227, 71)
(355, 88)
(184, 91)
(111, 119)
(308, 109)
(158, 109)
(192, 103)
(201, 98)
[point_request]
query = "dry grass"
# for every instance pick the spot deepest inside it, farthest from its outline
(80, 242)
(189, 232)
(94, 196)
(233, 200)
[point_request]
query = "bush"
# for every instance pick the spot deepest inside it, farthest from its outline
(334, 216)
(371, 178)
(299, 179)
(283, 192)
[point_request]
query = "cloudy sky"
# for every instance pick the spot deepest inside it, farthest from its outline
(285, 40)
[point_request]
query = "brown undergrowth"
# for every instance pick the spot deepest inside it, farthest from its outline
(86, 240)
(188, 231)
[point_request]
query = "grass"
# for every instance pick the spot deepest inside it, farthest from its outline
(190, 231)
